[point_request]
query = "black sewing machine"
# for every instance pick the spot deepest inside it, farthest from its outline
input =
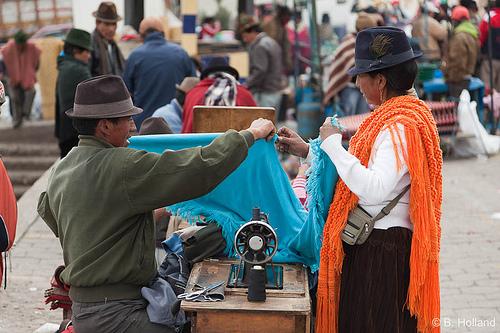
(256, 243)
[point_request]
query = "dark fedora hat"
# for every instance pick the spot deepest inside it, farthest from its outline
(381, 47)
(101, 97)
(80, 38)
(107, 12)
(154, 125)
(218, 64)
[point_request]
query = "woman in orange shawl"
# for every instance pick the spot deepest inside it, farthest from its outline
(390, 283)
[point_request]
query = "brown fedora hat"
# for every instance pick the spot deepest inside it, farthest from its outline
(107, 12)
(154, 125)
(101, 97)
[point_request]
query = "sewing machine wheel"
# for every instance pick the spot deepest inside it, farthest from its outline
(256, 242)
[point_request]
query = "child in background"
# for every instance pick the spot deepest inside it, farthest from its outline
(299, 184)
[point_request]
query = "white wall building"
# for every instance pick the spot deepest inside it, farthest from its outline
(340, 14)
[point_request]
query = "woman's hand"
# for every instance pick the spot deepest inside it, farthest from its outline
(327, 129)
(290, 142)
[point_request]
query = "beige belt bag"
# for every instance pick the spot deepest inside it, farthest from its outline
(360, 224)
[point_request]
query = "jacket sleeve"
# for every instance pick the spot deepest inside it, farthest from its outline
(68, 81)
(189, 65)
(94, 58)
(45, 213)
(259, 67)
(371, 184)
(483, 32)
(438, 31)
(128, 74)
(457, 60)
(154, 181)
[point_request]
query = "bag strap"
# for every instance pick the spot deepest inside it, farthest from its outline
(387, 209)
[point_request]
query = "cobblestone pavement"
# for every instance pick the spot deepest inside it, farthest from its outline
(470, 257)
(470, 246)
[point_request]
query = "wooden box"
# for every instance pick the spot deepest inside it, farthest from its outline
(284, 311)
(215, 119)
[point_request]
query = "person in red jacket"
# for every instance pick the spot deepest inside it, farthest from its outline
(219, 86)
(495, 52)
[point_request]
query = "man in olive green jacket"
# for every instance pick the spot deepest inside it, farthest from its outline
(100, 198)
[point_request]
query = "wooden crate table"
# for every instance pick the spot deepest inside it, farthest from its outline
(286, 310)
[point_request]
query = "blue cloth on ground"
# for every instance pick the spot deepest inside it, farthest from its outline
(259, 181)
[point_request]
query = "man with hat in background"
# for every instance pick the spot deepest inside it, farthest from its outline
(106, 55)
(266, 74)
(219, 86)
(73, 68)
(463, 49)
(153, 69)
(100, 197)
(21, 58)
(276, 29)
(155, 125)
(172, 112)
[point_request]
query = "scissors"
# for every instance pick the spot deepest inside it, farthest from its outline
(192, 296)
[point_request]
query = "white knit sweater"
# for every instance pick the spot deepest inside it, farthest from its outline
(380, 182)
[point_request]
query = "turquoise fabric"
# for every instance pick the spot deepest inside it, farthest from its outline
(259, 181)
(321, 181)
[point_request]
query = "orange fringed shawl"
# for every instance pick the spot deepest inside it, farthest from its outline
(424, 160)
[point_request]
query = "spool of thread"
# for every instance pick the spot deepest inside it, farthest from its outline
(257, 284)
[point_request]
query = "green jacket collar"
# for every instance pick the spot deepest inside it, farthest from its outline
(467, 27)
(92, 141)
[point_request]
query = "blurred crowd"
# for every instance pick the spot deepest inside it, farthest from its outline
(453, 39)
(167, 83)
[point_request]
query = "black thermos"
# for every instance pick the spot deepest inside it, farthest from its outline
(257, 284)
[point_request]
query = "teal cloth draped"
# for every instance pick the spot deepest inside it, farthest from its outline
(259, 181)
(321, 181)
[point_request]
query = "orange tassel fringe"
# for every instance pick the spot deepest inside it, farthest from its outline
(424, 160)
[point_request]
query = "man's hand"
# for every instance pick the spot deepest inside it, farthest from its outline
(290, 142)
(327, 129)
(262, 129)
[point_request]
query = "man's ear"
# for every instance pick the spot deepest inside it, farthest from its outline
(103, 127)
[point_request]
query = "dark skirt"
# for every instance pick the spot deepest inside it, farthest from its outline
(374, 284)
